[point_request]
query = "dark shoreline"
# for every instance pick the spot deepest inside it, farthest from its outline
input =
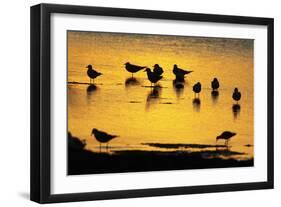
(81, 161)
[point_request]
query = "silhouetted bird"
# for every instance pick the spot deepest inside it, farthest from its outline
(236, 95)
(180, 73)
(152, 77)
(197, 88)
(157, 69)
(102, 137)
(92, 73)
(226, 135)
(133, 68)
(215, 84)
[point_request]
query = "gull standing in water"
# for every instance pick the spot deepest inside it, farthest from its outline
(215, 84)
(92, 73)
(133, 68)
(102, 137)
(236, 95)
(226, 135)
(180, 73)
(197, 88)
(152, 76)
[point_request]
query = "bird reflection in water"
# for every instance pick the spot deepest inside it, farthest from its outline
(131, 81)
(153, 96)
(178, 87)
(236, 110)
(196, 104)
(91, 90)
(215, 96)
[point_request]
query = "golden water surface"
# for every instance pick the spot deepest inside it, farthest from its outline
(130, 111)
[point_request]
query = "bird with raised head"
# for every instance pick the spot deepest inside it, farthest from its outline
(197, 88)
(102, 137)
(92, 73)
(152, 77)
(236, 95)
(180, 73)
(226, 135)
(215, 84)
(133, 68)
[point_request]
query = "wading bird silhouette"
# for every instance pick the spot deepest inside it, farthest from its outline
(215, 84)
(133, 68)
(102, 137)
(236, 95)
(226, 135)
(92, 73)
(152, 77)
(180, 73)
(197, 88)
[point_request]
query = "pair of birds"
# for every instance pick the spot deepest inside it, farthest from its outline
(214, 84)
(136, 68)
(153, 76)
(103, 137)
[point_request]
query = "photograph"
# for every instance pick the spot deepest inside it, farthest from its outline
(154, 102)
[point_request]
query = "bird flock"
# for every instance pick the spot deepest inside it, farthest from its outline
(154, 76)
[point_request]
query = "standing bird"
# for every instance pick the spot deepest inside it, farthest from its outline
(157, 69)
(226, 135)
(197, 88)
(180, 73)
(152, 76)
(92, 73)
(102, 137)
(215, 84)
(133, 68)
(236, 95)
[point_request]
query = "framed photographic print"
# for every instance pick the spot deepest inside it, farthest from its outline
(132, 103)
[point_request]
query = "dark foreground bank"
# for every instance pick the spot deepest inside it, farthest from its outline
(81, 161)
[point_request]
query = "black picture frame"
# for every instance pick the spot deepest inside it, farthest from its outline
(41, 98)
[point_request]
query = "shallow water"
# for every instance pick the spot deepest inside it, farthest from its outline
(140, 114)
